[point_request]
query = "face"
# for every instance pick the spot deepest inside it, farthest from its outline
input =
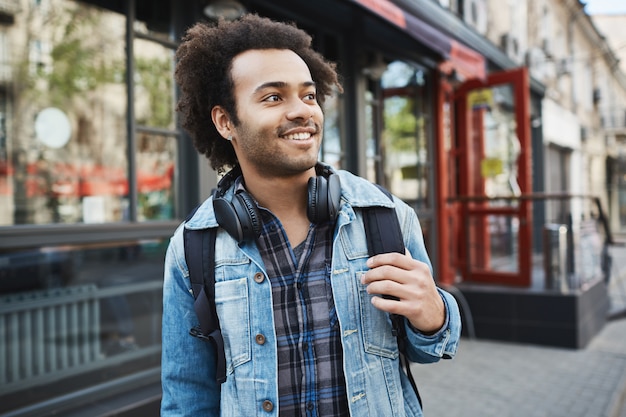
(280, 121)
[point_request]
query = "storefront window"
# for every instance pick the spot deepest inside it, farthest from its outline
(398, 136)
(156, 154)
(407, 155)
(75, 316)
(331, 145)
(155, 122)
(66, 121)
(154, 85)
(64, 149)
(372, 142)
(81, 283)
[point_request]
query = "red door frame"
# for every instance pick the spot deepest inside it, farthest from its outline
(446, 162)
(453, 202)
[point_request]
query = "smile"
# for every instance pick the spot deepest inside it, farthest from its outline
(298, 136)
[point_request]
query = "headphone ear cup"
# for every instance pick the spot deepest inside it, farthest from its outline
(241, 218)
(314, 204)
(324, 198)
(249, 215)
(333, 196)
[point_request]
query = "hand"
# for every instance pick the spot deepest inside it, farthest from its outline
(412, 284)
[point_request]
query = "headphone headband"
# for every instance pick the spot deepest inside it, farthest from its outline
(227, 180)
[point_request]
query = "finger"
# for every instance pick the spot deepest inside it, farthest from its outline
(385, 288)
(386, 272)
(392, 258)
(389, 305)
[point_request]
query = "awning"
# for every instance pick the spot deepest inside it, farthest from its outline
(457, 57)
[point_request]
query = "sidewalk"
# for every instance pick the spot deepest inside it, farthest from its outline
(489, 378)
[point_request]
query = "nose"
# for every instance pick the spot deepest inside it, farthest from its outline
(300, 109)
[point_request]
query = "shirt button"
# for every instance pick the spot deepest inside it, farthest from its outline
(268, 405)
(260, 339)
(310, 406)
(259, 277)
(305, 346)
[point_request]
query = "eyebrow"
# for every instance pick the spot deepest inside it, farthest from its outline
(281, 84)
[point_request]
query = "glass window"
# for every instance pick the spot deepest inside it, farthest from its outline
(83, 320)
(154, 85)
(494, 150)
(407, 154)
(64, 145)
(373, 147)
(156, 135)
(331, 145)
(399, 139)
(74, 316)
(65, 129)
(156, 154)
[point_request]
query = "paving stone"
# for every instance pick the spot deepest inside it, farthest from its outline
(490, 378)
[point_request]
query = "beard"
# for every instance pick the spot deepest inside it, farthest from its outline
(270, 153)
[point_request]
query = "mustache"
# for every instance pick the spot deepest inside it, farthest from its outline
(309, 124)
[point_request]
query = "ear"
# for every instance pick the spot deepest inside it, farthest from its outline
(221, 120)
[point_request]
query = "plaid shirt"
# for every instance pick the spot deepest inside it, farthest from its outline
(310, 362)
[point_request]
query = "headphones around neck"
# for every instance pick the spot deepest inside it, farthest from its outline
(241, 217)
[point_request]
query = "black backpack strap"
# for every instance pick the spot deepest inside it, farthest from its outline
(200, 258)
(382, 229)
(384, 235)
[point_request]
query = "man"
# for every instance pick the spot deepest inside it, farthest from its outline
(304, 331)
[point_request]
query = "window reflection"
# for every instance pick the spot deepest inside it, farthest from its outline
(501, 147)
(331, 145)
(155, 176)
(398, 138)
(407, 165)
(154, 85)
(77, 316)
(65, 129)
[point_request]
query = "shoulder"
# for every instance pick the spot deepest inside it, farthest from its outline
(202, 217)
(360, 192)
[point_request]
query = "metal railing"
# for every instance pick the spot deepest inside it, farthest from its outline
(47, 332)
(569, 249)
(46, 335)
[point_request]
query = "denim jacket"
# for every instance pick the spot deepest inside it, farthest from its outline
(375, 384)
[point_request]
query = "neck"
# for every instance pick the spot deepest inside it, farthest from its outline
(279, 193)
(286, 197)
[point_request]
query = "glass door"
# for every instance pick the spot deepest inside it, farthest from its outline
(493, 152)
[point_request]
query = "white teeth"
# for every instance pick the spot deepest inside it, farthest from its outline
(298, 136)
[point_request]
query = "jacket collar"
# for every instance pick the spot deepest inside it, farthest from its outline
(355, 191)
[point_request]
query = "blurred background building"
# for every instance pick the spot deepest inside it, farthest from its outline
(502, 123)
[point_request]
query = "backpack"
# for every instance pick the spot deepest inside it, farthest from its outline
(383, 234)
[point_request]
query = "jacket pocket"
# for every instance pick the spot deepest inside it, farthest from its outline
(231, 300)
(378, 338)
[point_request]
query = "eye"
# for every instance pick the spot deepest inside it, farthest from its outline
(272, 98)
(310, 96)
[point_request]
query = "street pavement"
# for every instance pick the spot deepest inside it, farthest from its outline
(491, 378)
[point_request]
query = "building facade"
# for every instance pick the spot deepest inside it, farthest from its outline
(576, 57)
(613, 116)
(95, 173)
